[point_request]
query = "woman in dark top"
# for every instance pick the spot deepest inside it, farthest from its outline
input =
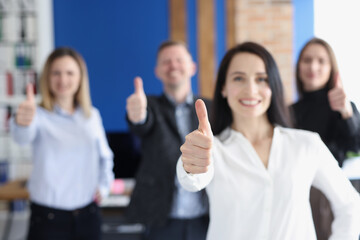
(323, 107)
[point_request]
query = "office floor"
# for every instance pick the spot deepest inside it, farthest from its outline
(19, 224)
(114, 227)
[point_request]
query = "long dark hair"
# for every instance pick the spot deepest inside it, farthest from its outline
(277, 113)
(334, 67)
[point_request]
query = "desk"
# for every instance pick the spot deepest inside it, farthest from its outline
(115, 225)
(11, 191)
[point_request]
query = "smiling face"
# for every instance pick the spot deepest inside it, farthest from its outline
(246, 87)
(314, 67)
(64, 78)
(175, 67)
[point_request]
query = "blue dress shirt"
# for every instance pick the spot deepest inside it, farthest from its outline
(71, 157)
(186, 204)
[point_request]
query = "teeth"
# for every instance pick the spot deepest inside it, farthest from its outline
(174, 73)
(249, 102)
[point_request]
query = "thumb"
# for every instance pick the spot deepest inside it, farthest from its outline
(138, 84)
(338, 82)
(201, 112)
(30, 93)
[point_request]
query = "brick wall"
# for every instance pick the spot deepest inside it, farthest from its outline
(270, 23)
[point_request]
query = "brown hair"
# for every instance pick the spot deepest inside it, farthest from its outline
(170, 43)
(334, 67)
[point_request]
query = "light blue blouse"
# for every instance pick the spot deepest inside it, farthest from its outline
(71, 157)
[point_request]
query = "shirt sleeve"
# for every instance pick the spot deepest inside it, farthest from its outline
(23, 135)
(193, 182)
(344, 199)
(106, 176)
(350, 127)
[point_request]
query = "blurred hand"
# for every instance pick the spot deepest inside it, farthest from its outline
(97, 197)
(26, 110)
(136, 103)
(338, 99)
(196, 151)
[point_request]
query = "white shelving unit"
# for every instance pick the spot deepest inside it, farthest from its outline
(14, 101)
(26, 39)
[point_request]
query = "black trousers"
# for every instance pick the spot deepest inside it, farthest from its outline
(55, 224)
(179, 229)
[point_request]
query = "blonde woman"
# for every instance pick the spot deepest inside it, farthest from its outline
(72, 161)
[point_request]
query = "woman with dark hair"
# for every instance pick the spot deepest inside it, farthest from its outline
(256, 171)
(72, 161)
(324, 108)
(277, 113)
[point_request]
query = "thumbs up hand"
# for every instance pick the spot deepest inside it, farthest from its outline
(26, 111)
(338, 99)
(136, 103)
(196, 151)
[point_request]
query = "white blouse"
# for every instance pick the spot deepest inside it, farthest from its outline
(249, 201)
